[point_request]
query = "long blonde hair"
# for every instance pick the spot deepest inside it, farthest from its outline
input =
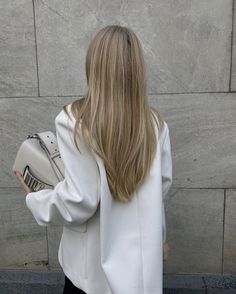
(116, 120)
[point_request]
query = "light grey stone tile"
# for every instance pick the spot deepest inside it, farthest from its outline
(23, 243)
(18, 73)
(233, 77)
(194, 230)
(186, 44)
(62, 33)
(230, 233)
(20, 117)
(203, 137)
(54, 237)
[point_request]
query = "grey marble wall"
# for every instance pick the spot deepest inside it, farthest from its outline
(190, 53)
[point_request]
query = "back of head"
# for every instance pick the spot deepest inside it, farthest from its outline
(117, 121)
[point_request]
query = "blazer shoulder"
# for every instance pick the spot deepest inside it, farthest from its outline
(65, 119)
(64, 125)
(64, 114)
(164, 133)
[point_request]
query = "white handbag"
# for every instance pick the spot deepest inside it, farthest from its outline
(39, 161)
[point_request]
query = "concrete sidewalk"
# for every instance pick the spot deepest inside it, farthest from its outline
(52, 282)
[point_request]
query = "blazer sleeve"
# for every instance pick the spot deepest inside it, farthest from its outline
(166, 172)
(74, 199)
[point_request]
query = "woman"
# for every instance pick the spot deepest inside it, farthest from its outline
(118, 169)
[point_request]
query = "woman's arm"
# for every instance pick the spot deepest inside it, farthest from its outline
(74, 199)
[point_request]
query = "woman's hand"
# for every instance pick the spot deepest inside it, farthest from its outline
(21, 180)
(165, 251)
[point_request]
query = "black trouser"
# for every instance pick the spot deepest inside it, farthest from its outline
(69, 288)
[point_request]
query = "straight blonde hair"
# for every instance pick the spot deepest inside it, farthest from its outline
(116, 119)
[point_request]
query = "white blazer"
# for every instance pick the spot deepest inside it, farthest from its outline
(106, 246)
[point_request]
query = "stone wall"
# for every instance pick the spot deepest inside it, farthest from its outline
(190, 53)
